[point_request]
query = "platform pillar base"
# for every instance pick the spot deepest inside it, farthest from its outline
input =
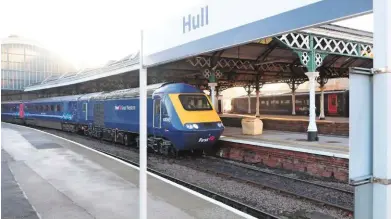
(312, 136)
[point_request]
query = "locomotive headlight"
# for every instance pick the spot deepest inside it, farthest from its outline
(219, 124)
(191, 126)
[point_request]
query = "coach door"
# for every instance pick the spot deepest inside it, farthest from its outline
(21, 110)
(157, 114)
(85, 111)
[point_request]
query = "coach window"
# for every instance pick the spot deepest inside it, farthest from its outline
(52, 108)
(157, 106)
(58, 106)
(84, 107)
(164, 110)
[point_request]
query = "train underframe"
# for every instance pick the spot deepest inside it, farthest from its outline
(155, 144)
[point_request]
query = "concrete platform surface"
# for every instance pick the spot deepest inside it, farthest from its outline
(327, 145)
(288, 117)
(61, 179)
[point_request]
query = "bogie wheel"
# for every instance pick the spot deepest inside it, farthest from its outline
(126, 139)
(198, 153)
(137, 142)
(173, 152)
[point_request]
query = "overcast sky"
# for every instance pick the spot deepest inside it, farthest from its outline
(91, 32)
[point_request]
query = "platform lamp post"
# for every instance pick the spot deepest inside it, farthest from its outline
(143, 133)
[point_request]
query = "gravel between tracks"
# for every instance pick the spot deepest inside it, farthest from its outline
(263, 199)
(301, 188)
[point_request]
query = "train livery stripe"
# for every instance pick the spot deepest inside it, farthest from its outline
(193, 116)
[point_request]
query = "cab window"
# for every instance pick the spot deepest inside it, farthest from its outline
(195, 102)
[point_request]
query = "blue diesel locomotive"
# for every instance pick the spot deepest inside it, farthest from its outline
(180, 117)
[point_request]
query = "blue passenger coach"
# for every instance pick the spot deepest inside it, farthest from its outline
(53, 112)
(12, 112)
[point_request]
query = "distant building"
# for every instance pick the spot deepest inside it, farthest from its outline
(25, 62)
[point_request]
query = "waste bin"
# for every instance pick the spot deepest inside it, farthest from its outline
(252, 126)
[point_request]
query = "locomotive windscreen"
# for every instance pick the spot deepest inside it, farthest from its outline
(195, 102)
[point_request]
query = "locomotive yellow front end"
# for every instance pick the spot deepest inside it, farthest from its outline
(199, 124)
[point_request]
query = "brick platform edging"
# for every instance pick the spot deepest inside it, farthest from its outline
(327, 128)
(312, 164)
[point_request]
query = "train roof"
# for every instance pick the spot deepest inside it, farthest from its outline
(89, 96)
(151, 89)
(56, 99)
(118, 94)
(12, 102)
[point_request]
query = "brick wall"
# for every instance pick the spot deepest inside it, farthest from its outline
(324, 127)
(315, 165)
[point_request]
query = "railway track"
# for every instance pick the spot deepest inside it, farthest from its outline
(319, 194)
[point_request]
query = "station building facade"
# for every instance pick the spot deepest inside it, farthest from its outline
(25, 62)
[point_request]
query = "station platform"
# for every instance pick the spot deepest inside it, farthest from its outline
(328, 157)
(334, 146)
(44, 176)
(338, 126)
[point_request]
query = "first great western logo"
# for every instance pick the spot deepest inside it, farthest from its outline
(120, 107)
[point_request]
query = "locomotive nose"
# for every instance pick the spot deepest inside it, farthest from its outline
(201, 139)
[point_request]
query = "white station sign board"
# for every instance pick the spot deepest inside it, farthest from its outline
(217, 24)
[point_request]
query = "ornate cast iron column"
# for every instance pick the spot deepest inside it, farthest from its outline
(293, 100)
(258, 87)
(312, 129)
(212, 76)
(293, 85)
(249, 89)
(322, 81)
(312, 60)
(217, 97)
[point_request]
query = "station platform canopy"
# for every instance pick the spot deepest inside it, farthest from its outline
(280, 59)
